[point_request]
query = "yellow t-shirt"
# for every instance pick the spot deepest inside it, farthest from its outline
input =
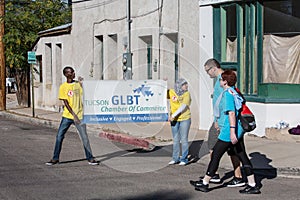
(72, 92)
(176, 101)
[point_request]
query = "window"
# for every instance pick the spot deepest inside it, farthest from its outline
(39, 68)
(281, 42)
(145, 57)
(96, 70)
(112, 67)
(170, 56)
(261, 41)
(58, 60)
(149, 61)
(282, 17)
(48, 68)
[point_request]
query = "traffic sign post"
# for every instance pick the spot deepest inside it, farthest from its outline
(32, 60)
(31, 57)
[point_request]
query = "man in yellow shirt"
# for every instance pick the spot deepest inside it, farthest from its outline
(70, 93)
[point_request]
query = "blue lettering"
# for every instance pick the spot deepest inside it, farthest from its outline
(115, 100)
(125, 100)
(96, 102)
(122, 101)
(136, 99)
(129, 100)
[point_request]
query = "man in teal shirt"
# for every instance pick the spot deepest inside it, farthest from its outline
(214, 70)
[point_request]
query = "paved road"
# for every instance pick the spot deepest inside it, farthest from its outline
(124, 172)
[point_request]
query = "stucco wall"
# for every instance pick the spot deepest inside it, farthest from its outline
(179, 23)
(96, 44)
(55, 53)
(206, 52)
(268, 115)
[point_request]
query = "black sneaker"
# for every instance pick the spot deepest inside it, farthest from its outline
(194, 183)
(250, 190)
(52, 162)
(199, 186)
(215, 179)
(235, 182)
(93, 162)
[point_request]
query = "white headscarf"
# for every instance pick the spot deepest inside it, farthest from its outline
(177, 86)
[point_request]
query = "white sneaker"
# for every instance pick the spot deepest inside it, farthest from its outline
(172, 162)
(93, 162)
(182, 163)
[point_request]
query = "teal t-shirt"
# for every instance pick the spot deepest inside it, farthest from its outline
(227, 104)
(217, 91)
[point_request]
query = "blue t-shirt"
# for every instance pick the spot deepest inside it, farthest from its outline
(227, 104)
(217, 91)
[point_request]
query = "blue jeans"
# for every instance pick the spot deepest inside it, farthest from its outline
(63, 128)
(180, 132)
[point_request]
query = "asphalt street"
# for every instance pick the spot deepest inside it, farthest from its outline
(125, 172)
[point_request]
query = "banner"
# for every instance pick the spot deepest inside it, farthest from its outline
(124, 101)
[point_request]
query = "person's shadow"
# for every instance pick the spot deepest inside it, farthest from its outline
(197, 149)
(262, 168)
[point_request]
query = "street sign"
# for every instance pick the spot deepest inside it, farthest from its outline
(31, 57)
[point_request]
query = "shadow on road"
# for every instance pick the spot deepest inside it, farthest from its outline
(197, 149)
(166, 194)
(262, 167)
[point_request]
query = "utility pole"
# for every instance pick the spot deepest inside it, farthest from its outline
(2, 59)
(129, 54)
(127, 57)
(129, 36)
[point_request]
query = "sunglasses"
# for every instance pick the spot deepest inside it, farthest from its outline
(207, 70)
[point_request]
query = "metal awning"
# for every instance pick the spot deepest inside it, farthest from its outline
(211, 2)
(63, 29)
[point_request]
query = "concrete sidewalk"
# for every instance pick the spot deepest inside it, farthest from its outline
(277, 153)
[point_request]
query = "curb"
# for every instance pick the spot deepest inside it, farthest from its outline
(289, 172)
(27, 119)
(138, 142)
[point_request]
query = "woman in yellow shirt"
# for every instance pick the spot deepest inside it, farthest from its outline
(180, 119)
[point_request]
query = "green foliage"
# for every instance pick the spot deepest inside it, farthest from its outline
(24, 19)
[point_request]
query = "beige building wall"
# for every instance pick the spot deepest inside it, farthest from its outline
(98, 40)
(55, 55)
(168, 28)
